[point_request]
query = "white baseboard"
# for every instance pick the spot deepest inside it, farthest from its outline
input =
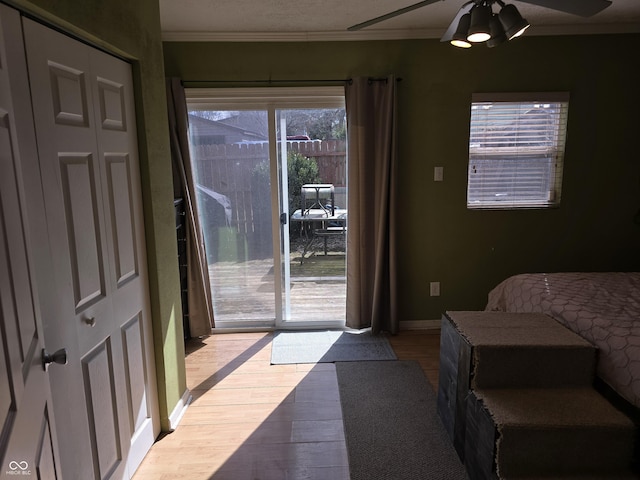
(179, 409)
(420, 325)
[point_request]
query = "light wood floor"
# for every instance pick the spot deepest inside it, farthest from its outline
(253, 420)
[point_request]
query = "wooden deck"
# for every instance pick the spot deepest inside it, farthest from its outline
(244, 291)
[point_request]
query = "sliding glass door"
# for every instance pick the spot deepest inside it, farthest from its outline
(271, 172)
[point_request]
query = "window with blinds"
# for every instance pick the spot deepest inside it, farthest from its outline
(516, 150)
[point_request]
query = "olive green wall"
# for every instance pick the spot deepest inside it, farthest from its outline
(132, 30)
(469, 252)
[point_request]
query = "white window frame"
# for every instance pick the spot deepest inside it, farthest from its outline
(516, 150)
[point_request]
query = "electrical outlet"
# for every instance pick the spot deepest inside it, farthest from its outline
(434, 289)
(438, 174)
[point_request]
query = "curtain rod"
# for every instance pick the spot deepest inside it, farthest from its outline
(272, 81)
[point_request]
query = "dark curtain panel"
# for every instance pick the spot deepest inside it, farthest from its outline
(199, 289)
(371, 259)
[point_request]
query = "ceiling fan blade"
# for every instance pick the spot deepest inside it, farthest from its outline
(583, 8)
(448, 35)
(395, 13)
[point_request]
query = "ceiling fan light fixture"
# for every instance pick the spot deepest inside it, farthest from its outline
(512, 22)
(479, 30)
(497, 32)
(459, 38)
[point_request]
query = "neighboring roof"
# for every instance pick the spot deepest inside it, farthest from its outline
(203, 127)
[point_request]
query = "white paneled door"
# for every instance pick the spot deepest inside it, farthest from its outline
(86, 221)
(27, 446)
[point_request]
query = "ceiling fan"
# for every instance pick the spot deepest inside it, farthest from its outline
(476, 22)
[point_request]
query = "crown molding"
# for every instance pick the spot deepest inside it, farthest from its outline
(373, 35)
(332, 36)
(576, 29)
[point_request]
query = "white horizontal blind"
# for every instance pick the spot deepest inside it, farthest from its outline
(516, 150)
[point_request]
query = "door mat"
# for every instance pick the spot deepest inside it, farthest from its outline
(329, 346)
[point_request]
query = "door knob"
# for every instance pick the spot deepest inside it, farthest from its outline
(59, 357)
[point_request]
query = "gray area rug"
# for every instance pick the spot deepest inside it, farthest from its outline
(392, 428)
(329, 346)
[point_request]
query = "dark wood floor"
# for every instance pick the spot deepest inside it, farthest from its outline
(250, 419)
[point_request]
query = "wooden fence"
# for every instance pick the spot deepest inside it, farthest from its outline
(232, 170)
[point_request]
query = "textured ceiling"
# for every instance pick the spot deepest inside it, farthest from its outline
(255, 20)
